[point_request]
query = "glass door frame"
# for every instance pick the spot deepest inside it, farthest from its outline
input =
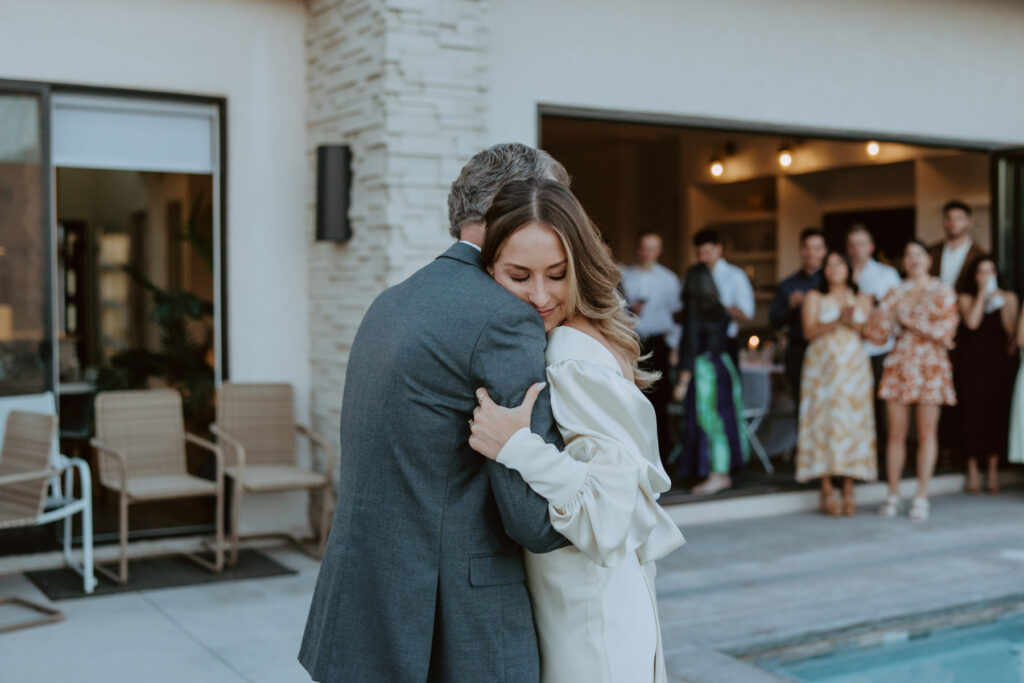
(43, 94)
(1008, 216)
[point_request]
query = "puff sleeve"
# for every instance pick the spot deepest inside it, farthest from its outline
(602, 489)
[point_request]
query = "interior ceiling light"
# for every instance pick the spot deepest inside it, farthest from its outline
(785, 157)
(873, 149)
(717, 167)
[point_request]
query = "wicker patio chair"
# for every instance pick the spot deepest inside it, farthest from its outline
(61, 502)
(140, 446)
(256, 425)
(25, 474)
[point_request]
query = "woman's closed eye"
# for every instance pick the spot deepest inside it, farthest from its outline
(557, 278)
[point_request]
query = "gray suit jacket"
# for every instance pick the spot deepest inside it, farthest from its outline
(422, 578)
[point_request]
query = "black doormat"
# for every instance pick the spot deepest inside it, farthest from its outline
(158, 572)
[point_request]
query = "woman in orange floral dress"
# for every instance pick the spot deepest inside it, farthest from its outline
(922, 313)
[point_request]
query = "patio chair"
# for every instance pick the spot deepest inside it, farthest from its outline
(256, 424)
(25, 473)
(756, 387)
(60, 502)
(140, 448)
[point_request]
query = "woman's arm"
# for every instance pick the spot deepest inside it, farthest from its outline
(688, 355)
(862, 304)
(972, 310)
(938, 320)
(881, 322)
(605, 499)
(813, 328)
(1008, 314)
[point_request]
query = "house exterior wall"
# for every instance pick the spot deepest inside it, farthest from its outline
(253, 54)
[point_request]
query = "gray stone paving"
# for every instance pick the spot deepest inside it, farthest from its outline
(763, 584)
(735, 589)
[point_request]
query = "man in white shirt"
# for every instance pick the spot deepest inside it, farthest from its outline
(951, 257)
(653, 296)
(734, 288)
(875, 279)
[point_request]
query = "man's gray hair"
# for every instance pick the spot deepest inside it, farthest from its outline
(488, 171)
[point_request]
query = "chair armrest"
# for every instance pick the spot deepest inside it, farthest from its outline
(323, 443)
(122, 464)
(21, 477)
(236, 445)
(218, 454)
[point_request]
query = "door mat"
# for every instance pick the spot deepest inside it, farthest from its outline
(155, 573)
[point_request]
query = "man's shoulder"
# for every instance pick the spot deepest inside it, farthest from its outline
(735, 272)
(790, 280)
(665, 271)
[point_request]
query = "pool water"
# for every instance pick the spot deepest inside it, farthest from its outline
(990, 653)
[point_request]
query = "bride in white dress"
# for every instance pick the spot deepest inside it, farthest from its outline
(593, 601)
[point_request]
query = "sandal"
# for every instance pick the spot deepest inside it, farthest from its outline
(849, 506)
(919, 509)
(890, 508)
(830, 506)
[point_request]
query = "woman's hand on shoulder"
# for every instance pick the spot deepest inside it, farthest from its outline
(493, 425)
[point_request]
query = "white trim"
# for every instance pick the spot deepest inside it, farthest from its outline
(128, 134)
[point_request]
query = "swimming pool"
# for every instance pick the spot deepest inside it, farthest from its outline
(991, 652)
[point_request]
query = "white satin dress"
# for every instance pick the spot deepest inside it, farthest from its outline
(594, 601)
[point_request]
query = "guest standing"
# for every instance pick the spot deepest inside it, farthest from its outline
(1016, 446)
(987, 366)
(950, 258)
(836, 435)
(734, 289)
(715, 444)
(789, 297)
(652, 294)
(922, 313)
(875, 280)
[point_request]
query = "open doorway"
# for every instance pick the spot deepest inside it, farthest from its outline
(135, 305)
(758, 190)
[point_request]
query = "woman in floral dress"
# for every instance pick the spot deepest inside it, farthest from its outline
(837, 419)
(922, 313)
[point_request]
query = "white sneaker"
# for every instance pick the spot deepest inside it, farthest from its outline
(890, 508)
(919, 509)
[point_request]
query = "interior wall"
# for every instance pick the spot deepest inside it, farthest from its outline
(620, 172)
(630, 189)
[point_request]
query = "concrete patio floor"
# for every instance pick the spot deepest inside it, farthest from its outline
(736, 588)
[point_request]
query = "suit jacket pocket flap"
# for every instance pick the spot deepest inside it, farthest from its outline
(496, 570)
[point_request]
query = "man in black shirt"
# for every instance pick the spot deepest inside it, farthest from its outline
(788, 302)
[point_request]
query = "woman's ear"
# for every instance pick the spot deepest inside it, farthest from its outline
(490, 271)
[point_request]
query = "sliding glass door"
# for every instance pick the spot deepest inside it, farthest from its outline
(1008, 226)
(26, 265)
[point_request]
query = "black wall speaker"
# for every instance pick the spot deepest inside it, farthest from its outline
(333, 187)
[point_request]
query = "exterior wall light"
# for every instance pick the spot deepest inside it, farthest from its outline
(873, 149)
(717, 167)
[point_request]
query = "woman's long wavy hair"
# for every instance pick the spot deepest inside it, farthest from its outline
(591, 273)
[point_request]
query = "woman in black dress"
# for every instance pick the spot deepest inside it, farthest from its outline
(985, 371)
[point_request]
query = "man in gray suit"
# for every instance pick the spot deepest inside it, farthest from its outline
(422, 579)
